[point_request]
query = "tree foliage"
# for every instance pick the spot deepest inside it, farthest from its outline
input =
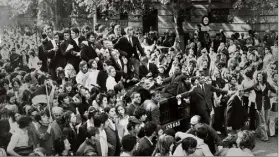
(18, 7)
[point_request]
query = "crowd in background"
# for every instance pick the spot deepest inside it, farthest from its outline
(97, 92)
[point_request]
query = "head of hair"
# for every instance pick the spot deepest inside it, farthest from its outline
(108, 108)
(128, 142)
(201, 130)
(164, 143)
(139, 112)
(23, 122)
(61, 97)
(150, 128)
(189, 142)
(75, 29)
(100, 118)
(118, 106)
(59, 146)
(67, 30)
(67, 117)
(91, 33)
(100, 98)
(82, 63)
(264, 75)
(92, 131)
(170, 132)
(246, 139)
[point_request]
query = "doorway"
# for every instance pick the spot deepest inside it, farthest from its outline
(150, 19)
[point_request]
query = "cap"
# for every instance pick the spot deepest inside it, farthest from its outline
(134, 120)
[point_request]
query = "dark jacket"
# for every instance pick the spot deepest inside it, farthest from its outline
(143, 71)
(70, 58)
(71, 135)
(145, 147)
(87, 53)
(82, 133)
(131, 50)
(113, 139)
(236, 114)
(262, 95)
(176, 84)
(203, 100)
(90, 145)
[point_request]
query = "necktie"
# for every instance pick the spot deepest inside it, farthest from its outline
(202, 88)
(130, 40)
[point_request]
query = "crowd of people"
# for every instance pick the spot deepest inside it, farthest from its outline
(97, 92)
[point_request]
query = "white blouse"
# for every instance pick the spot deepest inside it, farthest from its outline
(19, 139)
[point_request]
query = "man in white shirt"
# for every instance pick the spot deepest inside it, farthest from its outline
(101, 121)
(82, 75)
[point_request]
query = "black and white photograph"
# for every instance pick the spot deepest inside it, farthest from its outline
(138, 78)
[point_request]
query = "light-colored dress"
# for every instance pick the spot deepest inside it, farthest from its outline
(122, 126)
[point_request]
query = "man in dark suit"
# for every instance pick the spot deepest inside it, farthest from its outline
(202, 94)
(236, 114)
(147, 69)
(88, 50)
(75, 35)
(112, 133)
(151, 107)
(129, 45)
(70, 50)
(145, 144)
(82, 132)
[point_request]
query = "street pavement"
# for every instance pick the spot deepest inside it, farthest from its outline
(266, 148)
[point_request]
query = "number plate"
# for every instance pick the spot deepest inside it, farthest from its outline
(173, 124)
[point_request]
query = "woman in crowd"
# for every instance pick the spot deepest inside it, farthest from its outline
(69, 130)
(21, 143)
(101, 102)
(164, 146)
(262, 101)
(122, 120)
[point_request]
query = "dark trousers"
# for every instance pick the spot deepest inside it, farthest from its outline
(251, 114)
(219, 118)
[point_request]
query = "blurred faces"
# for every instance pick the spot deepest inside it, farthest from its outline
(202, 80)
(66, 36)
(121, 110)
(143, 118)
(92, 39)
(112, 72)
(105, 101)
(49, 32)
(137, 98)
(73, 118)
(94, 65)
(156, 97)
(84, 69)
(112, 113)
(260, 77)
(74, 35)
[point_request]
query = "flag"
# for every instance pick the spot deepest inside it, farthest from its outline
(39, 95)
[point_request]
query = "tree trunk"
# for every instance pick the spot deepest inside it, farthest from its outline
(179, 31)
